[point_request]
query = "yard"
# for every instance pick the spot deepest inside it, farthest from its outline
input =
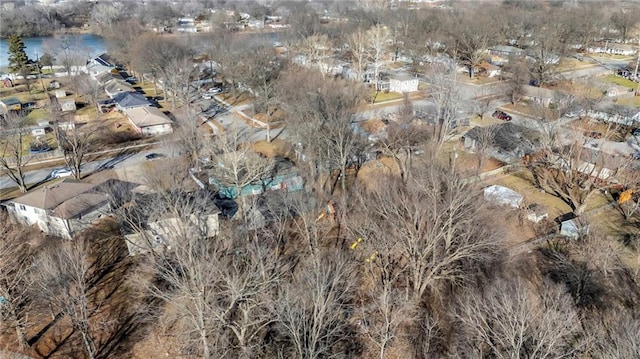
(381, 96)
(630, 101)
(608, 130)
(620, 81)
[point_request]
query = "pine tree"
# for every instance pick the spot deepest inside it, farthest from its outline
(17, 56)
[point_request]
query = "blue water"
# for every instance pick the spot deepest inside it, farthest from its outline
(86, 45)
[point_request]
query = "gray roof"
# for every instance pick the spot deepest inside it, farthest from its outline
(130, 99)
(510, 138)
(9, 101)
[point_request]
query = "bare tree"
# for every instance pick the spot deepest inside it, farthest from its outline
(189, 134)
(312, 308)
(484, 142)
(473, 39)
(510, 321)
(259, 70)
(377, 38)
(67, 51)
(446, 98)
(403, 138)
(104, 15)
(571, 173)
(359, 51)
(64, 279)
(624, 19)
(13, 159)
(435, 225)
(518, 76)
(216, 290)
(75, 144)
(237, 165)
(16, 262)
(164, 58)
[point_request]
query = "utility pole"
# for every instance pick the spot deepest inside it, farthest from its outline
(636, 72)
(44, 88)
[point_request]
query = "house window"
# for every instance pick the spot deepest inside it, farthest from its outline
(22, 208)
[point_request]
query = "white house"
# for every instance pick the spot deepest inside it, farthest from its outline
(613, 49)
(62, 209)
(403, 83)
(149, 121)
(100, 65)
(115, 86)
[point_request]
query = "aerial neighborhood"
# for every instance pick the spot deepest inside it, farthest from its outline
(319, 179)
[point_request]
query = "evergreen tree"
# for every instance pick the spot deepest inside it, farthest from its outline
(17, 56)
(46, 60)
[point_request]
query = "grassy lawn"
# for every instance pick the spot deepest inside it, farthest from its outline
(87, 111)
(35, 115)
(520, 183)
(382, 96)
(620, 81)
(630, 101)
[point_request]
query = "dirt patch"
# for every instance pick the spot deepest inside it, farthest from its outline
(372, 171)
(275, 148)
(609, 131)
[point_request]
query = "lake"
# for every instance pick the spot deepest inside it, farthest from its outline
(87, 45)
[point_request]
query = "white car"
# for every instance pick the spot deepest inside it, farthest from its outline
(214, 90)
(61, 172)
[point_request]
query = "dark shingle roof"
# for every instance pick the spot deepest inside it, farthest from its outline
(130, 99)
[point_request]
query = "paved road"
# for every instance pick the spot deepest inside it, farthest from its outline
(118, 161)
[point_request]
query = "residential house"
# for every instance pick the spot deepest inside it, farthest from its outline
(613, 48)
(116, 86)
(127, 100)
(599, 163)
(282, 176)
(100, 65)
(505, 51)
(542, 96)
(488, 69)
(67, 104)
(149, 121)
(62, 209)
(161, 234)
(10, 104)
(106, 77)
(403, 83)
(509, 142)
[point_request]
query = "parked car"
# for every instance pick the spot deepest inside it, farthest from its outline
(593, 134)
(132, 80)
(61, 172)
(214, 90)
(636, 132)
(501, 115)
(152, 156)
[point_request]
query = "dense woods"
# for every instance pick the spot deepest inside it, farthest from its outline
(411, 262)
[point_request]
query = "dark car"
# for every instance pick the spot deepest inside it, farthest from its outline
(501, 115)
(153, 156)
(593, 134)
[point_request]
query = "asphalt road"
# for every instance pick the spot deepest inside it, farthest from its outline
(119, 161)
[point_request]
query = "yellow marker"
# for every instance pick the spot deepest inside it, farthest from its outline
(373, 256)
(625, 196)
(354, 245)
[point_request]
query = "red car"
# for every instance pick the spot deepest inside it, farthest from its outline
(501, 115)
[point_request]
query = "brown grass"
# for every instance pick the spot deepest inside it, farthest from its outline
(275, 148)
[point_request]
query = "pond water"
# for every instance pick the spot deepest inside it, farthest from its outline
(85, 45)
